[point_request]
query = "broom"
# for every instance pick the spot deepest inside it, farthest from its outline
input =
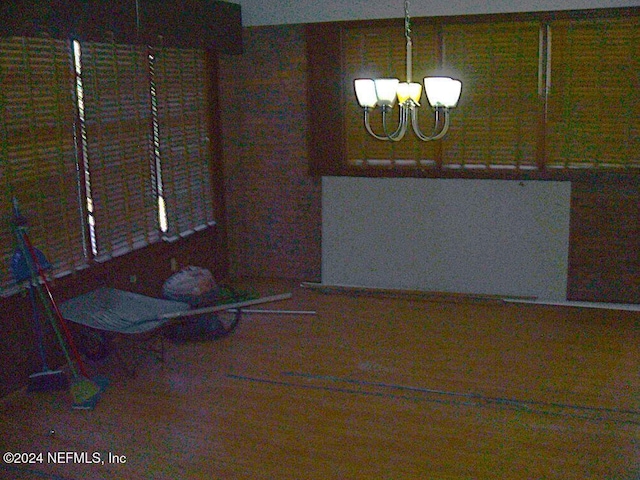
(46, 379)
(85, 392)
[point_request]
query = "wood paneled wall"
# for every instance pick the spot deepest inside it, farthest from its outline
(209, 24)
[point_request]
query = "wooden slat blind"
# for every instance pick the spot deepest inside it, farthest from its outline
(496, 123)
(119, 161)
(374, 52)
(541, 93)
(184, 153)
(594, 97)
(37, 151)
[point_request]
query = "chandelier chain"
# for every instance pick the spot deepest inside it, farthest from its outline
(407, 34)
(407, 21)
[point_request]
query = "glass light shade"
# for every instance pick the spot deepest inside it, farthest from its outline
(442, 91)
(365, 92)
(408, 91)
(386, 89)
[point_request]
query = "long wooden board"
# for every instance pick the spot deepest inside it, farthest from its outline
(400, 293)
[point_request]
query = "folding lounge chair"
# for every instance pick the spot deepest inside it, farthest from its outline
(108, 317)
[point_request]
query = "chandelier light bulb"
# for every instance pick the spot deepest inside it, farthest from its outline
(442, 91)
(409, 91)
(366, 92)
(386, 91)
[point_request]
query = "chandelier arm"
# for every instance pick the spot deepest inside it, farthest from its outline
(435, 134)
(367, 125)
(395, 136)
(402, 124)
(439, 122)
(445, 127)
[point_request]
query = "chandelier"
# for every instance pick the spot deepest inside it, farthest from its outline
(442, 94)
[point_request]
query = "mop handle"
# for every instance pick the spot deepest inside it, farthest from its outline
(38, 325)
(61, 319)
(222, 307)
(32, 268)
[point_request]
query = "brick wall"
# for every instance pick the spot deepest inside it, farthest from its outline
(604, 245)
(273, 205)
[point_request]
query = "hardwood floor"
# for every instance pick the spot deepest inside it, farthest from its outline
(369, 388)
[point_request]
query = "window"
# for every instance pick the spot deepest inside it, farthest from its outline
(105, 146)
(495, 125)
(37, 152)
(115, 119)
(594, 99)
(182, 140)
(544, 95)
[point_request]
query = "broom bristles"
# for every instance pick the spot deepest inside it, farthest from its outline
(83, 389)
(86, 393)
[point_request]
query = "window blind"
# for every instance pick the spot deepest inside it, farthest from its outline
(496, 123)
(183, 142)
(118, 159)
(594, 96)
(541, 94)
(37, 151)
